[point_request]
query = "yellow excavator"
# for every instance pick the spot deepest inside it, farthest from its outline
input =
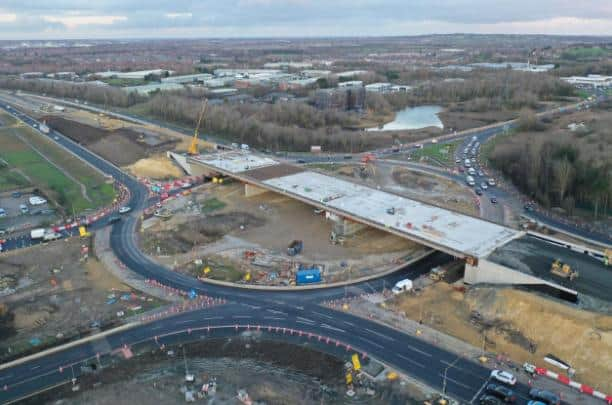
(563, 270)
(193, 147)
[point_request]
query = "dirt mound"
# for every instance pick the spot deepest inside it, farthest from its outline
(118, 149)
(213, 227)
(156, 167)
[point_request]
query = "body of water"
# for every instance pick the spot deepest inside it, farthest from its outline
(414, 118)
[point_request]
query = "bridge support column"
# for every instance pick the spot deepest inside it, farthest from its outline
(251, 190)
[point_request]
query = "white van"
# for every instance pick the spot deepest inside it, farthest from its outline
(402, 286)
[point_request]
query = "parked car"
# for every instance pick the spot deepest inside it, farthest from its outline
(504, 377)
(24, 208)
(2, 213)
(484, 186)
(501, 392)
(491, 182)
(124, 210)
(16, 194)
(544, 396)
(489, 400)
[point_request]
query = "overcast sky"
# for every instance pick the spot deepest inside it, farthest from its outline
(56, 19)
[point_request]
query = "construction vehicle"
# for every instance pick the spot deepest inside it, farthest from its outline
(437, 273)
(193, 147)
(563, 270)
(607, 257)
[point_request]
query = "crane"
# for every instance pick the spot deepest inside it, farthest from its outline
(193, 147)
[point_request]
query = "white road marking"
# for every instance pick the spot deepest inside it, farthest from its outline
(276, 312)
(275, 318)
(455, 381)
(414, 349)
(185, 321)
(479, 391)
(416, 363)
(349, 323)
(370, 342)
(326, 326)
(241, 316)
(380, 334)
(210, 318)
(34, 368)
(306, 319)
(323, 315)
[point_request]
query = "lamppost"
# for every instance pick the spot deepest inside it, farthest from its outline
(446, 371)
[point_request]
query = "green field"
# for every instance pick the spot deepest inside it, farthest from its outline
(443, 153)
(581, 53)
(22, 158)
(212, 204)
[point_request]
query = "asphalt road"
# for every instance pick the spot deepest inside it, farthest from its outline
(290, 309)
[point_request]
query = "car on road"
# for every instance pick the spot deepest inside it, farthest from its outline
(504, 377)
(489, 400)
(484, 186)
(529, 207)
(124, 210)
(56, 138)
(458, 161)
(493, 200)
(501, 392)
(24, 209)
(478, 191)
(434, 141)
(545, 396)
(480, 173)
(16, 194)
(301, 161)
(2, 212)
(491, 182)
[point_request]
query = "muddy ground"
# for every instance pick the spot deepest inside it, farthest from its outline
(220, 228)
(523, 325)
(53, 294)
(270, 372)
(122, 146)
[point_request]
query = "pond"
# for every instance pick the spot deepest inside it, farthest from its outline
(414, 118)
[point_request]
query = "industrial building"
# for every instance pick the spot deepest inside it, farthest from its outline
(147, 89)
(589, 81)
(188, 79)
(341, 98)
(136, 75)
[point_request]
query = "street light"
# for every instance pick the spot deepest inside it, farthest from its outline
(446, 371)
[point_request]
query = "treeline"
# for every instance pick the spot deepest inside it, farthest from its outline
(273, 127)
(105, 95)
(487, 91)
(554, 173)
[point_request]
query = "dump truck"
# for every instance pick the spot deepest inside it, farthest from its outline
(38, 233)
(563, 270)
(295, 247)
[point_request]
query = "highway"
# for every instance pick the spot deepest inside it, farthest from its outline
(298, 310)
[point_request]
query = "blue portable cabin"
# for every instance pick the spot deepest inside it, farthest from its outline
(308, 276)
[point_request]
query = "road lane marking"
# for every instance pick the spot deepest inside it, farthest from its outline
(326, 326)
(34, 368)
(349, 323)
(241, 316)
(156, 327)
(414, 349)
(480, 390)
(323, 315)
(466, 371)
(306, 319)
(416, 363)
(455, 381)
(277, 312)
(210, 318)
(380, 334)
(185, 321)
(275, 318)
(370, 342)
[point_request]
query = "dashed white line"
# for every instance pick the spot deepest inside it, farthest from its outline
(34, 368)
(241, 316)
(276, 312)
(185, 321)
(276, 318)
(414, 349)
(349, 323)
(455, 381)
(408, 359)
(326, 326)
(210, 318)
(305, 320)
(323, 315)
(379, 334)
(370, 342)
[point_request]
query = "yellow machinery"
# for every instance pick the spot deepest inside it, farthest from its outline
(608, 257)
(193, 147)
(563, 270)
